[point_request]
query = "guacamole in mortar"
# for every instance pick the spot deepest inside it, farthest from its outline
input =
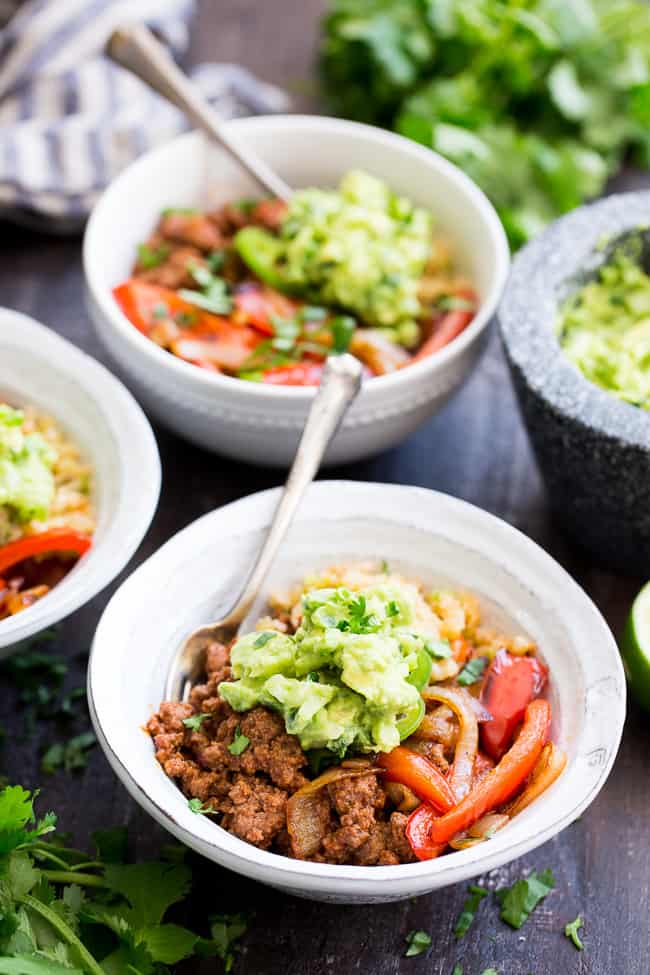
(350, 677)
(604, 329)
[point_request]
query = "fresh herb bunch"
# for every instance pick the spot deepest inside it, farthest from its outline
(537, 100)
(63, 912)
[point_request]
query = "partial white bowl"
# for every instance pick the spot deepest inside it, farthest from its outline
(429, 535)
(39, 368)
(251, 421)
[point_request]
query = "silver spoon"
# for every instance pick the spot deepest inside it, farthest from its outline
(339, 386)
(134, 47)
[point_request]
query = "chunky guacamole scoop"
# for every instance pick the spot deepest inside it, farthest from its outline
(26, 479)
(350, 677)
(361, 247)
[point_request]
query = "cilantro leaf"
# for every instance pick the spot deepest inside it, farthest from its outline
(70, 755)
(571, 931)
(264, 638)
(150, 888)
(472, 671)
(225, 931)
(111, 844)
(195, 721)
(196, 806)
(150, 257)
(168, 943)
(24, 964)
(458, 970)
(470, 907)
(239, 743)
(418, 942)
(519, 901)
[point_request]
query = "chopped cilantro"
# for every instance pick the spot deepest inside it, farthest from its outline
(458, 970)
(385, 568)
(239, 743)
(196, 806)
(150, 257)
(247, 204)
(489, 971)
(160, 310)
(342, 327)
(519, 901)
(438, 649)
(195, 721)
(472, 671)
(264, 638)
(571, 931)
(215, 261)
(470, 907)
(392, 609)
(418, 942)
(359, 621)
(214, 295)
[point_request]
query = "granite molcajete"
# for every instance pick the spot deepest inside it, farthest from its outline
(593, 449)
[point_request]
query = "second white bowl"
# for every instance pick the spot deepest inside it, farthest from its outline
(259, 423)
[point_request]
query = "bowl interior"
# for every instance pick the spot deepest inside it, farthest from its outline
(430, 536)
(306, 151)
(40, 369)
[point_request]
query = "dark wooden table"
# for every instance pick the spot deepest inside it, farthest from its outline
(601, 863)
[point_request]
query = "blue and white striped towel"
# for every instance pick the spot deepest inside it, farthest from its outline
(70, 118)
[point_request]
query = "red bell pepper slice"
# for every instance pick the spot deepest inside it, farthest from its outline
(426, 831)
(257, 305)
(448, 327)
(55, 541)
(419, 775)
(295, 374)
(510, 684)
(145, 304)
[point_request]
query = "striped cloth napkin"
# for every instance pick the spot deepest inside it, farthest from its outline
(70, 119)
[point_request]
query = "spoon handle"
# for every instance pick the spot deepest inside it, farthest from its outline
(134, 47)
(339, 386)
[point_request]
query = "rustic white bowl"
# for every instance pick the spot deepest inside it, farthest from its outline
(434, 537)
(39, 368)
(251, 421)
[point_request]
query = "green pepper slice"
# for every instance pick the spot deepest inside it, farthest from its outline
(260, 251)
(420, 676)
(411, 720)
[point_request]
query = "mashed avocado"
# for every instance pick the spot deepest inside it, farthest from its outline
(360, 247)
(26, 480)
(604, 329)
(348, 677)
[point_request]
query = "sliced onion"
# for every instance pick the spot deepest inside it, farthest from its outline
(304, 824)
(401, 796)
(483, 829)
(550, 765)
(460, 701)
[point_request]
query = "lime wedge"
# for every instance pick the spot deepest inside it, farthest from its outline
(635, 647)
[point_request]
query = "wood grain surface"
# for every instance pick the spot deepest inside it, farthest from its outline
(475, 449)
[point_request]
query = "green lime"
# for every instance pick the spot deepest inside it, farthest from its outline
(635, 647)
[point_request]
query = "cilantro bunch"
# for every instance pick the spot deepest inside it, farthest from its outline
(63, 912)
(537, 100)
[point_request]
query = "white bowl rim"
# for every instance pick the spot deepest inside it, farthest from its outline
(106, 390)
(259, 391)
(351, 880)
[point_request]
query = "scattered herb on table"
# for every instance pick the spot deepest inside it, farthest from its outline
(418, 942)
(490, 971)
(239, 743)
(470, 907)
(571, 931)
(458, 970)
(71, 756)
(472, 671)
(519, 901)
(65, 912)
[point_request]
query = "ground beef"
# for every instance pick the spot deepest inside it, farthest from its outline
(249, 792)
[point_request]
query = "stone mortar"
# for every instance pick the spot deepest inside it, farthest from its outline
(593, 449)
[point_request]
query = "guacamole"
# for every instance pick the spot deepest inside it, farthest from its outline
(361, 248)
(26, 479)
(349, 678)
(604, 329)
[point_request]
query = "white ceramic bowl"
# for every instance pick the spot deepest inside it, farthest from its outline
(434, 537)
(39, 368)
(251, 421)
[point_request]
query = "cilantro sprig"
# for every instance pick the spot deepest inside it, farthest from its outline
(571, 932)
(65, 912)
(519, 901)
